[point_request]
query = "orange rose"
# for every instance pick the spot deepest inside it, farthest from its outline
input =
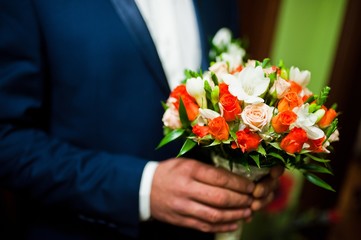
(289, 102)
(295, 87)
(223, 89)
(282, 121)
(294, 141)
(231, 107)
(192, 108)
(200, 131)
(327, 119)
(247, 140)
(189, 102)
(219, 128)
(316, 145)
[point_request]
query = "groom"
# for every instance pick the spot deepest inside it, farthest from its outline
(81, 83)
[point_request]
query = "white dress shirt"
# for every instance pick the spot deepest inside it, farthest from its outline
(174, 30)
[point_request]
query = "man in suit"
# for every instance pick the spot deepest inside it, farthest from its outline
(80, 116)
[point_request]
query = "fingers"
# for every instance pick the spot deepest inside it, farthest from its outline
(269, 184)
(265, 187)
(182, 197)
(212, 215)
(264, 190)
(219, 197)
(276, 171)
(222, 178)
(260, 203)
(203, 226)
(207, 219)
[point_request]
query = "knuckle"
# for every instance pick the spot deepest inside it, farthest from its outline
(177, 206)
(214, 217)
(222, 179)
(204, 227)
(221, 199)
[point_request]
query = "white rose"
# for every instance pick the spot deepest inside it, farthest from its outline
(257, 116)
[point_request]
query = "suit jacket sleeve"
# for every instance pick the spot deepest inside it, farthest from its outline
(93, 183)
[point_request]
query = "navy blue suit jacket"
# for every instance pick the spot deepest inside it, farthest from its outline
(81, 87)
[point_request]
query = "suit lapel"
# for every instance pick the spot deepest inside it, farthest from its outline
(133, 20)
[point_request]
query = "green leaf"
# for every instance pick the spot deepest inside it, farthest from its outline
(316, 168)
(272, 77)
(276, 145)
(276, 155)
(318, 181)
(215, 98)
(208, 90)
(191, 74)
(214, 143)
(214, 78)
(332, 128)
(256, 159)
(207, 87)
(233, 135)
(164, 105)
(171, 136)
(284, 73)
(304, 151)
(266, 63)
(188, 145)
(261, 150)
(317, 159)
(334, 106)
(323, 95)
(310, 99)
(183, 114)
(313, 107)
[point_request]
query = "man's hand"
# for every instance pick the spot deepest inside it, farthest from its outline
(192, 194)
(264, 191)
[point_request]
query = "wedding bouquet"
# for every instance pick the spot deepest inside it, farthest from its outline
(252, 114)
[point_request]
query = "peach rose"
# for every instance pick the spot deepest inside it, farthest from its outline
(171, 115)
(219, 128)
(257, 116)
(280, 87)
(219, 68)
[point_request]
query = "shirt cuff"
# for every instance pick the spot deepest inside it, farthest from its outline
(144, 190)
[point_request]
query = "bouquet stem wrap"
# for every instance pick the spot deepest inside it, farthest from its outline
(253, 173)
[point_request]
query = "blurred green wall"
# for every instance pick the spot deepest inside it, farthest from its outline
(307, 35)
